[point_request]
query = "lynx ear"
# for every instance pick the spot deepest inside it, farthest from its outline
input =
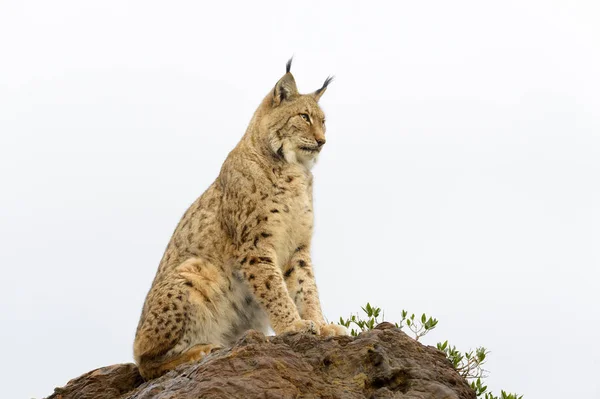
(317, 94)
(286, 88)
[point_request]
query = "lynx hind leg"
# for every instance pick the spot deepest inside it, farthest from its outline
(183, 318)
(154, 369)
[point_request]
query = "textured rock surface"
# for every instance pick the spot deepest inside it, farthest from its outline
(104, 383)
(382, 363)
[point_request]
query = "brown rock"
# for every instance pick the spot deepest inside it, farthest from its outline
(386, 325)
(103, 383)
(381, 363)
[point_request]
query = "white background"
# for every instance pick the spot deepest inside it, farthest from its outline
(461, 175)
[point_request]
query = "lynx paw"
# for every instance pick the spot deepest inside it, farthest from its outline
(303, 326)
(331, 330)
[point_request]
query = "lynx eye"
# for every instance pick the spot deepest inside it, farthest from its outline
(305, 117)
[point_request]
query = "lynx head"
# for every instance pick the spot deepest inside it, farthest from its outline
(292, 123)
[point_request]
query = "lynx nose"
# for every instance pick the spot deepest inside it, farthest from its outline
(320, 141)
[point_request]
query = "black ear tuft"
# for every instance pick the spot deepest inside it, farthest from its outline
(325, 84)
(288, 65)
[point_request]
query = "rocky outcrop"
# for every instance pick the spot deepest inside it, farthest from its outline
(381, 363)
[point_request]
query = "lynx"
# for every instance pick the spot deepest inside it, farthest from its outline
(239, 258)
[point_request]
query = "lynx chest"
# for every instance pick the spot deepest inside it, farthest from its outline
(294, 195)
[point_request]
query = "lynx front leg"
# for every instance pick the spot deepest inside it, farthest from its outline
(301, 285)
(259, 267)
(300, 281)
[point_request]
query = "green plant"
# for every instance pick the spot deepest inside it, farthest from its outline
(418, 327)
(468, 364)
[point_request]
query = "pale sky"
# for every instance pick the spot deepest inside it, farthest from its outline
(461, 174)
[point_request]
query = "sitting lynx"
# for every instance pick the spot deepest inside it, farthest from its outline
(240, 257)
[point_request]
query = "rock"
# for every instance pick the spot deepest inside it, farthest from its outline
(103, 383)
(381, 363)
(384, 326)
